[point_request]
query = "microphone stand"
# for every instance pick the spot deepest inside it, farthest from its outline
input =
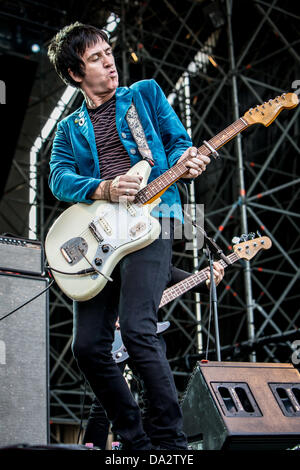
(210, 242)
(213, 302)
(212, 247)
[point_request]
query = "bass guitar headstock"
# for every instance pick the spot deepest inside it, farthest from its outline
(246, 247)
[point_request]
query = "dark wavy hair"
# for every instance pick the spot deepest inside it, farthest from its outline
(66, 49)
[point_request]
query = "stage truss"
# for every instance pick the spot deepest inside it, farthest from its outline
(220, 60)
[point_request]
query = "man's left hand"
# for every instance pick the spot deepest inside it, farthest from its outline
(218, 271)
(195, 162)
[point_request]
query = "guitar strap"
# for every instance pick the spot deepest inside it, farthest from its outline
(138, 133)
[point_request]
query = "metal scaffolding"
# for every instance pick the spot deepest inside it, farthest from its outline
(214, 60)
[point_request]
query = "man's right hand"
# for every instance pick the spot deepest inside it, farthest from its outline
(125, 188)
(122, 188)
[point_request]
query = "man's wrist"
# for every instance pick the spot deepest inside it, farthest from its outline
(103, 191)
(106, 190)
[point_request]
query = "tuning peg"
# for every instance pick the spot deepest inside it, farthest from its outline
(244, 237)
(258, 233)
(251, 236)
(235, 240)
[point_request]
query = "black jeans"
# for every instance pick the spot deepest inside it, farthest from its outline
(139, 281)
(97, 427)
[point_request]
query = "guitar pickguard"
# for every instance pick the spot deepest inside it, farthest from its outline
(117, 228)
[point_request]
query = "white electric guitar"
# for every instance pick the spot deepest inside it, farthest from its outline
(86, 242)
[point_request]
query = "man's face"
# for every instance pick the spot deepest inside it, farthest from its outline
(101, 76)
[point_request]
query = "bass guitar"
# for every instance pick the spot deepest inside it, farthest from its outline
(245, 250)
(86, 242)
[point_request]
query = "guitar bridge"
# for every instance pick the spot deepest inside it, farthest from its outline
(74, 250)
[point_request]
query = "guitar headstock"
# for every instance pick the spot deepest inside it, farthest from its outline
(267, 112)
(249, 248)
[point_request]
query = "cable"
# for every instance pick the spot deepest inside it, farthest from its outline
(184, 190)
(78, 273)
(92, 269)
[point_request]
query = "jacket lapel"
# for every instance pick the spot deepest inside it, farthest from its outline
(85, 126)
(123, 101)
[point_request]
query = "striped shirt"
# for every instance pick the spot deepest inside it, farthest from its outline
(113, 158)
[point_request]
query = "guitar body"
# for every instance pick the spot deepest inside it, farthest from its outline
(98, 236)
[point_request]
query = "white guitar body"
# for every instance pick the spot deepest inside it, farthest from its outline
(96, 237)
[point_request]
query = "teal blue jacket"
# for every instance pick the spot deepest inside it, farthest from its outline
(74, 164)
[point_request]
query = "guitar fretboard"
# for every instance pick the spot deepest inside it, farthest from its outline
(192, 281)
(165, 180)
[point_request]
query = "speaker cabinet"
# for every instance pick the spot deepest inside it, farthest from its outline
(240, 406)
(24, 404)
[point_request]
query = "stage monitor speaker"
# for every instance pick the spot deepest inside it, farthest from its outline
(24, 404)
(242, 406)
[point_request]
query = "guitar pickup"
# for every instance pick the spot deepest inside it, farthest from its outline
(105, 225)
(130, 208)
(95, 225)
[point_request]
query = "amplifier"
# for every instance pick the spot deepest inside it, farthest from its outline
(21, 255)
(24, 361)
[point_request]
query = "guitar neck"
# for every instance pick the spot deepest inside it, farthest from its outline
(191, 281)
(160, 184)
